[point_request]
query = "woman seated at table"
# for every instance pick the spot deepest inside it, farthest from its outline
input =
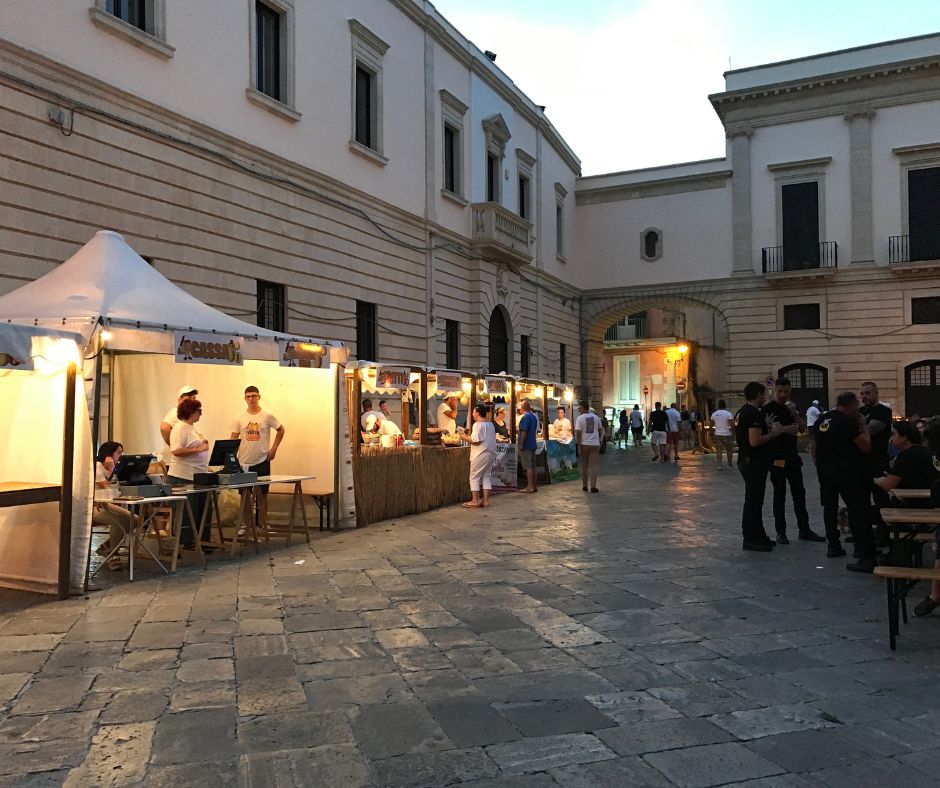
(913, 467)
(189, 450)
(107, 515)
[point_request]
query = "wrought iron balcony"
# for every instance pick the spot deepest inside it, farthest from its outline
(625, 331)
(499, 233)
(899, 249)
(778, 259)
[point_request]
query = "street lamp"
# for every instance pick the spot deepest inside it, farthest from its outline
(681, 350)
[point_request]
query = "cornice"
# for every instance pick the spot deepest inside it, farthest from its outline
(657, 188)
(490, 75)
(369, 38)
(801, 164)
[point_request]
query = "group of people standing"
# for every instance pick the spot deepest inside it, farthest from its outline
(860, 454)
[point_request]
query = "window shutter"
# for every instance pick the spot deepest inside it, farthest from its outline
(800, 208)
(923, 210)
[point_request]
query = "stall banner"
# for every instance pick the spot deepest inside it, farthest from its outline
(306, 355)
(392, 378)
(449, 381)
(562, 461)
(196, 348)
(504, 473)
(496, 386)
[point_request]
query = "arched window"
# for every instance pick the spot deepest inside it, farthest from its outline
(808, 382)
(500, 335)
(651, 244)
(922, 388)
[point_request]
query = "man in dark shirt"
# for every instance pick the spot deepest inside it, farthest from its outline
(879, 417)
(658, 428)
(753, 436)
(786, 467)
(840, 439)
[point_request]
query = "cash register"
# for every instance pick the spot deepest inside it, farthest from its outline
(133, 480)
(225, 457)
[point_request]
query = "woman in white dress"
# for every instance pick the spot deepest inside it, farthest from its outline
(482, 440)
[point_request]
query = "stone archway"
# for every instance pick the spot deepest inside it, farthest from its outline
(709, 342)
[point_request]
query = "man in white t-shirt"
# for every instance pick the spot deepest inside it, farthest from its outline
(166, 426)
(562, 427)
(672, 437)
(256, 450)
(723, 420)
(587, 432)
(447, 415)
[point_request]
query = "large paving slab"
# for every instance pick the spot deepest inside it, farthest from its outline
(558, 639)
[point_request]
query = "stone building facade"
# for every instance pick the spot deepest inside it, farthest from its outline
(361, 171)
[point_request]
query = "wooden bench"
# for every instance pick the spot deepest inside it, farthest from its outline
(899, 581)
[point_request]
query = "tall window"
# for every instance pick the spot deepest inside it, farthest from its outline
(925, 310)
(450, 159)
(268, 49)
(492, 177)
(923, 213)
(365, 111)
(452, 344)
(800, 217)
(134, 12)
(525, 197)
(367, 345)
(272, 305)
(524, 354)
(560, 193)
(563, 362)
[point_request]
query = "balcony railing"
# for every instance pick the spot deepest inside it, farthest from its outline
(635, 328)
(775, 260)
(498, 232)
(899, 248)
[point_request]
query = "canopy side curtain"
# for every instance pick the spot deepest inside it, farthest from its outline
(31, 451)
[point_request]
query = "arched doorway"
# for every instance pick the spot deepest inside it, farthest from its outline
(922, 388)
(808, 382)
(500, 341)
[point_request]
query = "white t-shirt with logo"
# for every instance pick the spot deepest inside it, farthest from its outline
(723, 421)
(254, 429)
(589, 425)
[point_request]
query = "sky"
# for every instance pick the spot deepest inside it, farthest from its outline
(626, 82)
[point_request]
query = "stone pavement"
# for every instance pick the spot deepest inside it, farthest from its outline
(558, 639)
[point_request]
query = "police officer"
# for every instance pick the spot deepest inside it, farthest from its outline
(840, 441)
(754, 435)
(879, 418)
(786, 467)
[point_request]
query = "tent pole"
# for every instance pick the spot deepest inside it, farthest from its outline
(337, 437)
(68, 468)
(96, 405)
(423, 407)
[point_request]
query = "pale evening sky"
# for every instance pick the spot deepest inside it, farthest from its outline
(626, 81)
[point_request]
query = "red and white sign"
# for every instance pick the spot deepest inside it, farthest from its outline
(680, 385)
(646, 390)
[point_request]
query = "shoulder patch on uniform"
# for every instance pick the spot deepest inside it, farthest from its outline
(824, 426)
(936, 463)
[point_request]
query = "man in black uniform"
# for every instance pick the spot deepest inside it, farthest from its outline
(786, 466)
(840, 439)
(753, 436)
(879, 419)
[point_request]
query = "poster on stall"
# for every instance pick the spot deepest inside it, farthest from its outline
(202, 348)
(562, 461)
(505, 468)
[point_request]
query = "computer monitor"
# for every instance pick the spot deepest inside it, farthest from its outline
(132, 469)
(225, 453)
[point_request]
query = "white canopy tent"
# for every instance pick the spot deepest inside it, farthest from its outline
(45, 461)
(130, 319)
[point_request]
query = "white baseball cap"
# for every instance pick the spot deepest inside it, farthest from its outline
(184, 390)
(815, 401)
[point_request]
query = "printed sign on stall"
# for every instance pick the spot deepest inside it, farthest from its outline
(391, 378)
(504, 473)
(449, 381)
(306, 355)
(496, 386)
(194, 348)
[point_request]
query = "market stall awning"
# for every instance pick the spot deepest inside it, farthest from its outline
(106, 282)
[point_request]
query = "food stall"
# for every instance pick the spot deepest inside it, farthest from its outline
(46, 466)
(421, 469)
(144, 337)
(561, 450)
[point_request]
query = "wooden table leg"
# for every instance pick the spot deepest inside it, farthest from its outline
(299, 494)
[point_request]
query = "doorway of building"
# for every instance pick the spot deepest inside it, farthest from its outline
(808, 382)
(500, 341)
(922, 388)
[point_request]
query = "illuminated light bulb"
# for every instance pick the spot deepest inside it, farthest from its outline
(106, 336)
(683, 349)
